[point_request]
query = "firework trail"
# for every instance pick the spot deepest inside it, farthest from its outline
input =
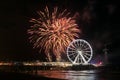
(53, 31)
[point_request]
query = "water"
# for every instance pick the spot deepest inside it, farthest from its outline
(70, 75)
(109, 72)
(81, 75)
(63, 75)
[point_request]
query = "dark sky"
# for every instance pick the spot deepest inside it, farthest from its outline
(99, 21)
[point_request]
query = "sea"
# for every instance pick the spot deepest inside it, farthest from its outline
(63, 75)
(82, 75)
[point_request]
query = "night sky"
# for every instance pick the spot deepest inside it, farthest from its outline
(98, 20)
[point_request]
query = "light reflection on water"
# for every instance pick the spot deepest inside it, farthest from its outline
(71, 75)
(81, 75)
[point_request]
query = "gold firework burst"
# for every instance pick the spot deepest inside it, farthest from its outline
(53, 31)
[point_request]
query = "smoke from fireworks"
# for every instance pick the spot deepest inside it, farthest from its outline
(53, 31)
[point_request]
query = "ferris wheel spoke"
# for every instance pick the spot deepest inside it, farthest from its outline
(73, 44)
(87, 51)
(76, 58)
(73, 57)
(80, 53)
(86, 57)
(72, 51)
(77, 43)
(81, 60)
(82, 45)
(71, 48)
(72, 54)
(87, 54)
(85, 46)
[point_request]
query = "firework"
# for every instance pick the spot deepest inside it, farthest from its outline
(53, 31)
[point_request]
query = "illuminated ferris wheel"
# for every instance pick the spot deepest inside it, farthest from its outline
(79, 51)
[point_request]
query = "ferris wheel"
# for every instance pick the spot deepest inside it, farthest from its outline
(79, 51)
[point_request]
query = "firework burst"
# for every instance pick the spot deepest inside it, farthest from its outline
(53, 31)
